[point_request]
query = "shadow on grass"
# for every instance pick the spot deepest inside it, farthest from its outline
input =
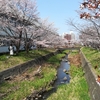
(48, 93)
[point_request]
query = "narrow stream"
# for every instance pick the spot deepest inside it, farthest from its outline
(62, 77)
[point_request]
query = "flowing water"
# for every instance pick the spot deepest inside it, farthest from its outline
(62, 77)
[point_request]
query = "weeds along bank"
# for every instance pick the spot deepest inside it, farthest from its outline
(23, 85)
(78, 88)
(93, 56)
(7, 61)
(41, 57)
(90, 63)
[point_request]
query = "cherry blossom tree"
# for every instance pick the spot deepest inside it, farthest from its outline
(19, 20)
(47, 29)
(47, 32)
(15, 17)
(90, 11)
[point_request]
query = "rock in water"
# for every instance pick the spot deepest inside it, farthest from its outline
(64, 70)
(65, 78)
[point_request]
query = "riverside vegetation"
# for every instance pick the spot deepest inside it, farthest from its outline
(21, 86)
(77, 89)
(93, 56)
(7, 61)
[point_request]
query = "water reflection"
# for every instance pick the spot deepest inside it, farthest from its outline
(62, 77)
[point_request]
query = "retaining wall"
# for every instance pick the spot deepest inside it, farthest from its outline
(22, 67)
(94, 88)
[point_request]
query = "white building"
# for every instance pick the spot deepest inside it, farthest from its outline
(72, 36)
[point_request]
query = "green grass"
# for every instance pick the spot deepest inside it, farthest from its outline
(21, 89)
(7, 61)
(18, 90)
(74, 52)
(77, 89)
(56, 59)
(93, 56)
(66, 51)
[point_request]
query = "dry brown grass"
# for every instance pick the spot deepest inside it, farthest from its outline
(75, 60)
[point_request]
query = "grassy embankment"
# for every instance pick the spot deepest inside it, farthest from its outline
(77, 89)
(20, 87)
(7, 61)
(93, 56)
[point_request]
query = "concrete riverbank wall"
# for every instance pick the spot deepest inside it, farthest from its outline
(94, 88)
(23, 67)
(15, 70)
